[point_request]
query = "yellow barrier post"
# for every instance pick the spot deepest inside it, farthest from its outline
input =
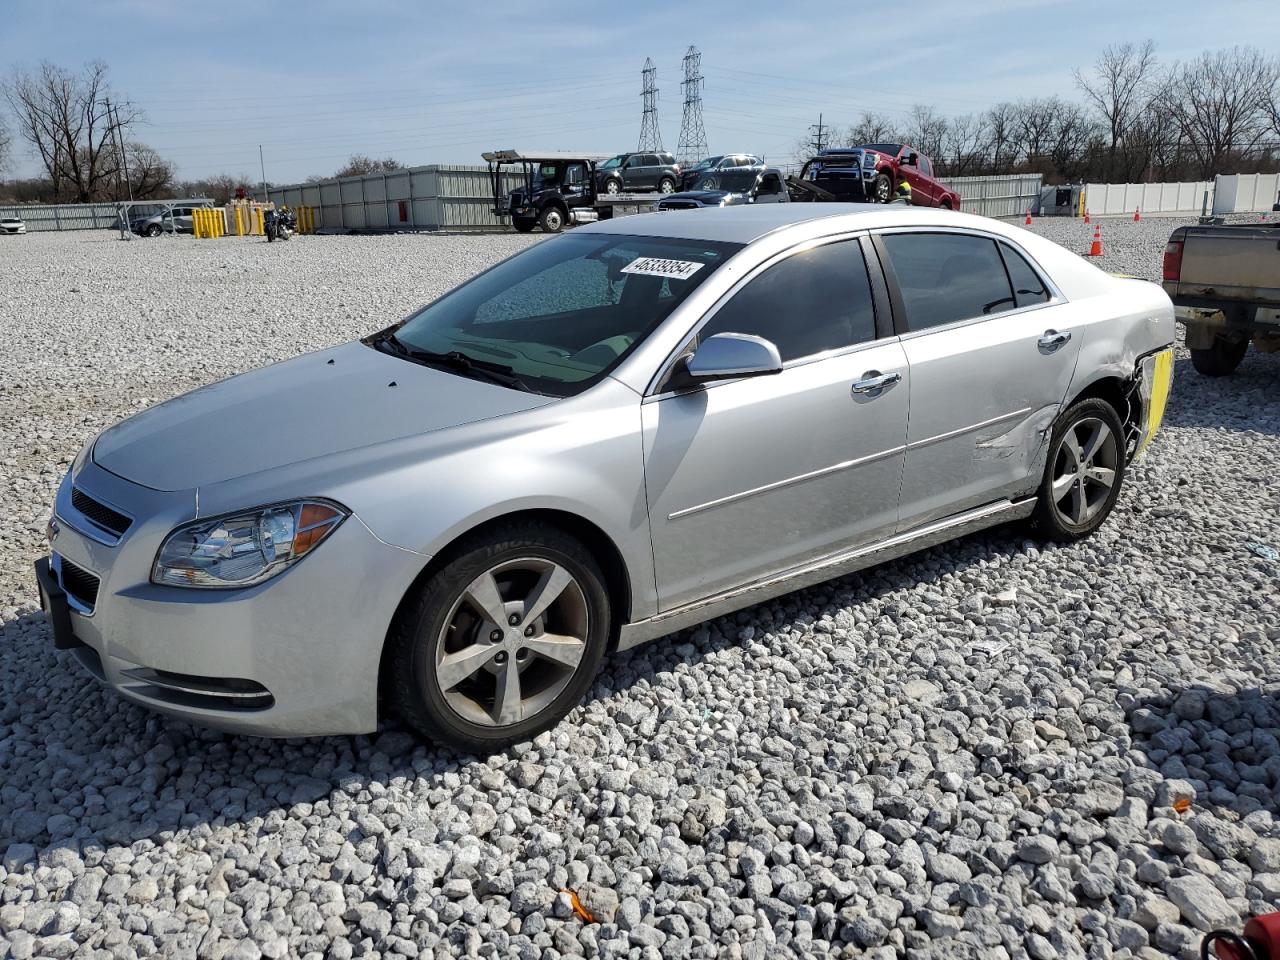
(239, 223)
(261, 225)
(220, 218)
(197, 223)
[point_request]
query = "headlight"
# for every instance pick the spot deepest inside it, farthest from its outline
(242, 549)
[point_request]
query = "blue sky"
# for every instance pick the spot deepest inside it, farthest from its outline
(433, 83)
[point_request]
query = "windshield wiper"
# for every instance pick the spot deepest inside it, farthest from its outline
(467, 365)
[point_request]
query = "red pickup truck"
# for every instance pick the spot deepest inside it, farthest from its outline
(871, 173)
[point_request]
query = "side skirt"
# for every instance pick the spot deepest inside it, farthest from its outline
(827, 568)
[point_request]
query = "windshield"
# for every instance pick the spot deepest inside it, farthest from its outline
(735, 181)
(707, 163)
(613, 162)
(563, 313)
(547, 174)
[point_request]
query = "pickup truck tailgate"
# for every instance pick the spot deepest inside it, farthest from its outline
(1237, 262)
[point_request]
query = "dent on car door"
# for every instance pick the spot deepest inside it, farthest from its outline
(991, 361)
(749, 477)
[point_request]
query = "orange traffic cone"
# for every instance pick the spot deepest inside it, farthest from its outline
(1096, 249)
(1137, 217)
(1028, 220)
(1086, 218)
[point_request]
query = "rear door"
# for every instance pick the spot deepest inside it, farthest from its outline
(646, 174)
(992, 349)
(746, 478)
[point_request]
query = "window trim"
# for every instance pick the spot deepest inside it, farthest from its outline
(900, 320)
(879, 303)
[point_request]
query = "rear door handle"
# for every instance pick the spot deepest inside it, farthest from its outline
(1051, 339)
(873, 381)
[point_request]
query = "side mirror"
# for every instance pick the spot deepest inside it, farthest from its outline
(728, 356)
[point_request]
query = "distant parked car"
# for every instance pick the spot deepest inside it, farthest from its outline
(730, 187)
(179, 221)
(871, 173)
(638, 173)
(606, 438)
(721, 161)
(13, 225)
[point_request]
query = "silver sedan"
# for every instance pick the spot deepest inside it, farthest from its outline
(610, 436)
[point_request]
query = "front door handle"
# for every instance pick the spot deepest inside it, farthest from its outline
(873, 381)
(1051, 339)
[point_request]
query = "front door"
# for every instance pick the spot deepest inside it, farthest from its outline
(921, 192)
(750, 477)
(992, 352)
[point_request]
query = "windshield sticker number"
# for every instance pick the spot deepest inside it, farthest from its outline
(657, 267)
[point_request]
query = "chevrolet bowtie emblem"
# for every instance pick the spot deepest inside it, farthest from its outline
(52, 530)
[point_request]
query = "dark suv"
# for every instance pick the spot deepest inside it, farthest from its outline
(638, 173)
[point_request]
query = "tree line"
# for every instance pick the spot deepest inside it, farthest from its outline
(1134, 119)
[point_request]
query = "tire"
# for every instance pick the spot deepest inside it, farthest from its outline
(1220, 359)
(946, 204)
(882, 189)
(524, 224)
(613, 187)
(270, 231)
(458, 703)
(1059, 515)
(551, 220)
(666, 185)
(154, 230)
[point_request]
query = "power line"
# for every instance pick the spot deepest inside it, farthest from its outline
(819, 132)
(692, 146)
(650, 135)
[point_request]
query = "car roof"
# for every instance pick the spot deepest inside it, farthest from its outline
(747, 223)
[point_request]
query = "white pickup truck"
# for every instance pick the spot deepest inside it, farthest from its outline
(1224, 280)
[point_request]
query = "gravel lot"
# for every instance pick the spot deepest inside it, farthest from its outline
(984, 750)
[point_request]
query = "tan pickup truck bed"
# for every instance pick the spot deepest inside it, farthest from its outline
(1225, 282)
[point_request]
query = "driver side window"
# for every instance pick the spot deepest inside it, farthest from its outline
(811, 302)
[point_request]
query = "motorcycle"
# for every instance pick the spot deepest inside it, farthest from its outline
(279, 224)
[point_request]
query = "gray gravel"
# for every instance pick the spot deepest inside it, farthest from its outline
(975, 752)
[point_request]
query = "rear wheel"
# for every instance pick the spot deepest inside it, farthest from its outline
(154, 230)
(551, 220)
(666, 185)
(1221, 358)
(882, 188)
(524, 224)
(503, 641)
(1083, 474)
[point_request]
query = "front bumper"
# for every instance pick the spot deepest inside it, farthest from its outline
(295, 656)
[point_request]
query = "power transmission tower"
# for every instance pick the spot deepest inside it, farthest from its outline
(693, 135)
(650, 135)
(819, 132)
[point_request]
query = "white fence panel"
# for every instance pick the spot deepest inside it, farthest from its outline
(1246, 192)
(1113, 199)
(996, 196)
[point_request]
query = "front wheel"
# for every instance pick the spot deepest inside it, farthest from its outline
(154, 230)
(1083, 474)
(501, 642)
(1221, 358)
(524, 224)
(613, 187)
(882, 188)
(551, 220)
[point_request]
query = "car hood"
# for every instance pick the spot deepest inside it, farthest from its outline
(705, 196)
(320, 403)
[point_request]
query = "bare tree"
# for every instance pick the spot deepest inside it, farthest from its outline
(358, 165)
(65, 119)
(150, 175)
(965, 146)
(1002, 127)
(870, 128)
(1034, 122)
(1070, 141)
(1119, 88)
(926, 130)
(1218, 101)
(6, 148)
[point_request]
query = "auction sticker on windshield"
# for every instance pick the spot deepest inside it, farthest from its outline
(657, 267)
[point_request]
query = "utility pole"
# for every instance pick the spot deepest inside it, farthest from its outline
(122, 163)
(693, 135)
(818, 132)
(262, 164)
(650, 135)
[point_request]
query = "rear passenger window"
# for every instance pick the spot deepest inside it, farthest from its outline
(810, 302)
(1028, 288)
(945, 277)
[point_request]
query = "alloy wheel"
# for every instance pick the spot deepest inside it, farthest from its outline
(1084, 471)
(512, 642)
